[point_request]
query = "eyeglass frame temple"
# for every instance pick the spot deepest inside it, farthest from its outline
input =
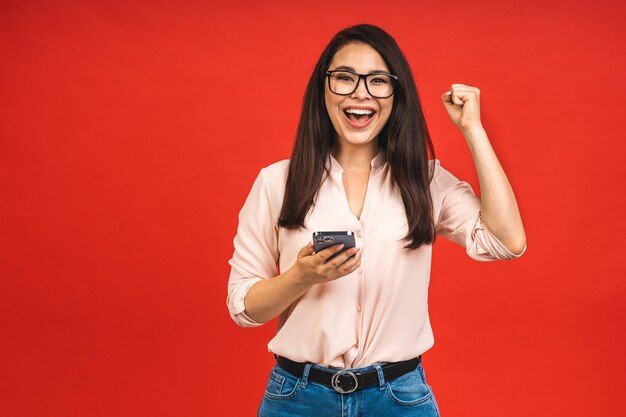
(362, 76)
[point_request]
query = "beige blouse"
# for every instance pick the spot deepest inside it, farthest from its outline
(378, 313)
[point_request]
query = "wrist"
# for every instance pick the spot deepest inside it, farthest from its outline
(296, 278)
(473, 132)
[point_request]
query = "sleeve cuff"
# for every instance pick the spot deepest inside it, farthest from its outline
(237, 307)
(486, 246)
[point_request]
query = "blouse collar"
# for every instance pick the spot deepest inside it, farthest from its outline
(377, 162)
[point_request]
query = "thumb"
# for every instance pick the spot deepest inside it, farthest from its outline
(446, 98)
(306, 251)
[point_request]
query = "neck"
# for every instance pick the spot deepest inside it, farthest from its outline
(355, 158)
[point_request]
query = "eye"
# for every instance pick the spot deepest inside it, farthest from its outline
(344, 77)
(379, 80)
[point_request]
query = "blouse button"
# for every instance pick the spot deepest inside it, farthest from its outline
(360, 271)
(359, 308)
(359, 235)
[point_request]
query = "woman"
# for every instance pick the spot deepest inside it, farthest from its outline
(352, 328)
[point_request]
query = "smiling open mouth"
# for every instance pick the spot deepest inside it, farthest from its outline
(358, 114)
(359, 117)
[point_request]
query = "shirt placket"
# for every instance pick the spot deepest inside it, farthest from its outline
(360, 231)
(361, 242)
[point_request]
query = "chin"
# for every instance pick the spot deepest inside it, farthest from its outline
(362, 138)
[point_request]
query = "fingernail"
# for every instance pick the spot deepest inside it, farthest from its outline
(341, 245)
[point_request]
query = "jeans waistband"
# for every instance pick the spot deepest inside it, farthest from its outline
(348, 380)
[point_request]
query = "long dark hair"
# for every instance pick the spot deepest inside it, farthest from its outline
(404, 139)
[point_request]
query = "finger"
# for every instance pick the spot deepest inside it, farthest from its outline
(464, 87)
(324, 254)
(456, 99)
(452, 96)
(306, 250)
(462, 96)
(343, 257)
(351, 264)
(345, 268)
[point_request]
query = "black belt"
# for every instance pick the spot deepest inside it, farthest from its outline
(344, 381)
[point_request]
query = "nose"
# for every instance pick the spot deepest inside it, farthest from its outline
(361, 89)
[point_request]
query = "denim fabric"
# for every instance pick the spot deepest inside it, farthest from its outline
(408, 395)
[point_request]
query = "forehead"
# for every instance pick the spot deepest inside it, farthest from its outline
(359, 56)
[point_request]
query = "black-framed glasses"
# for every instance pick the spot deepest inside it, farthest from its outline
(345, 82)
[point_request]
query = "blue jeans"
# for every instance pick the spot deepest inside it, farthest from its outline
(408, 395)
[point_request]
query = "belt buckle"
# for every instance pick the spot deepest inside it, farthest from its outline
(336, 383)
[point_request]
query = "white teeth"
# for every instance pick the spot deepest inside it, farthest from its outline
(359, 111)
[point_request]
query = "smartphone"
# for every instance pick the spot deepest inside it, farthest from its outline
(322, 240)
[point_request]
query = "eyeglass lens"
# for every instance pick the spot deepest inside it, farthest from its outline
(378, 85)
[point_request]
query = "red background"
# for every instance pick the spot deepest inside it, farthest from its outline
(131, 132)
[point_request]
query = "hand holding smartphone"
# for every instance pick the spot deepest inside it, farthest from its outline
(311, 269)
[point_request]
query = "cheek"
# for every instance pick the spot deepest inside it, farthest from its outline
(384, 117)
(332, 108)
(387, 112)
(329, 104)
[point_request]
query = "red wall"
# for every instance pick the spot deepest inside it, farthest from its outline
(131, 132)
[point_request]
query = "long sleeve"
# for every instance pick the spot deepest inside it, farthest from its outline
(460, 219)
(256, 254)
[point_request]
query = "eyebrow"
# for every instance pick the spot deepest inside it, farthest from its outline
(346, 67)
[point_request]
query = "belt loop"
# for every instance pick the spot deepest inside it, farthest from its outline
(381, 375)
(305, 374)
